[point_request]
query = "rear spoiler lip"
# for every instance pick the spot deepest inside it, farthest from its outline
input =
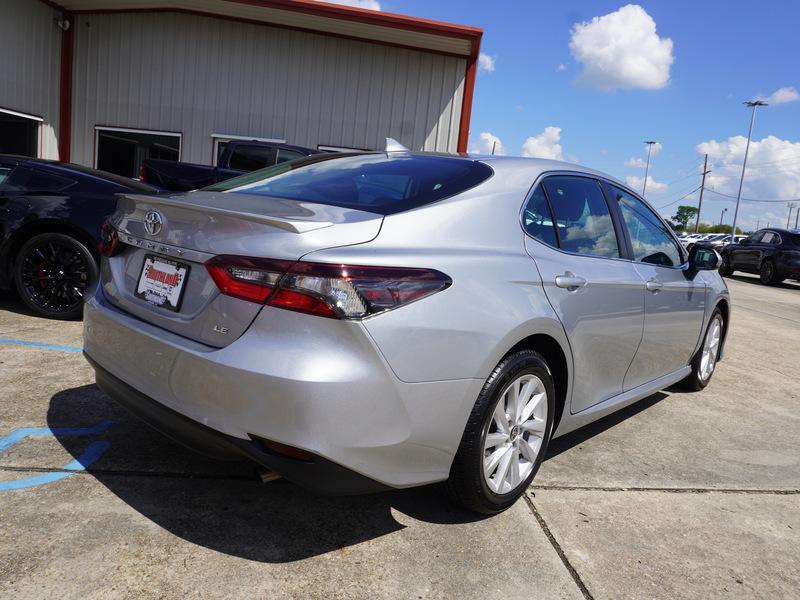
(292, 225)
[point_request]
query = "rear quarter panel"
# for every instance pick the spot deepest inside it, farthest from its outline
(496, 298)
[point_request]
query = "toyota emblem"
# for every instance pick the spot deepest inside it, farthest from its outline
(153, 221)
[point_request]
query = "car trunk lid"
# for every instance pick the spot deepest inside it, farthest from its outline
(189, 229)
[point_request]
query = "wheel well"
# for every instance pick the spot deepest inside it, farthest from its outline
(26, 232)
(551, 350)
(725, 309)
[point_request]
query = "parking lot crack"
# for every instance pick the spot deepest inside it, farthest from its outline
(670, 490)
(559, 550)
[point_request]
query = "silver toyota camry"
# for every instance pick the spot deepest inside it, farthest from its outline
(383, 320)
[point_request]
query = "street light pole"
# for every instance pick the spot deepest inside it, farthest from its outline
(754, 104)
(722, 216)
(647, 167)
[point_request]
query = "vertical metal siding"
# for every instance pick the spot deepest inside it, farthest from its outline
(199, 75)
(30, 52)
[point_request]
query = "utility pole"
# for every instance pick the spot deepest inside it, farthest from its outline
(797, 218)
(647, 167)
(702, 187)
(494, 147)
(722, 216)
(754, 104)
(789, 218)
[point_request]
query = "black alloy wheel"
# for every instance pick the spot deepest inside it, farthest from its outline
(52, 272)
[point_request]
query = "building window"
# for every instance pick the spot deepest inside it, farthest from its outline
(220, 142)
(19, 133)
(122, 151)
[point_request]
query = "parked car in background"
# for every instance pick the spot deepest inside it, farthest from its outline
(774, 254)
(51, 214)
(386, 320)
(690, 238)
(719, 240)
(237, 157)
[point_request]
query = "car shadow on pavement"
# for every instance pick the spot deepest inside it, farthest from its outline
(224, 506)
(10, 302)
(579, 436)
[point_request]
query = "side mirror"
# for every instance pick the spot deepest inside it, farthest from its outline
(703, 259)
(745, 242)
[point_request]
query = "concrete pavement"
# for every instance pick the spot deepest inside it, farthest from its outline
(679, 496)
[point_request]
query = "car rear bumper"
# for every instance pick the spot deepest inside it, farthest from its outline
(316, 384)
(317, 474)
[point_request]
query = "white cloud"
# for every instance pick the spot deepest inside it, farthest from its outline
(370, 4)
(544, 145)
(561, 67)
(486, 62)
(486, 143)
(653, 186)
(622, 50)
(635, 163)
(773, 167)
(641, 163)
(782, 96)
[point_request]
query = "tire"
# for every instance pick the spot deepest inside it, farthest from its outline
(725, 266)
(701, 375)
(52, 272)
(768, 274)
(495, 491)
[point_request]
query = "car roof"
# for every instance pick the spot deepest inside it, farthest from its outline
(81, 171)
(781, 230)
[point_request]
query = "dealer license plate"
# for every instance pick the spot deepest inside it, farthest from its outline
(162, 281)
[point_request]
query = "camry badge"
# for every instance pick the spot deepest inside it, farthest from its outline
(153, 221)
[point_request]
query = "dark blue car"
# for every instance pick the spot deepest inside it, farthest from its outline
(51, 214)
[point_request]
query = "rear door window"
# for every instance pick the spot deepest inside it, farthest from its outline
(5, 171)
(538, 220)
(30, 180)
(251, 158)
(285, 155)
(582, 217)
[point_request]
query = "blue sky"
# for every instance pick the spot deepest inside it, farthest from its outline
(669, 70)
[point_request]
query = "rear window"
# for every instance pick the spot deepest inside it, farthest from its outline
(379, 183)
(127, 182)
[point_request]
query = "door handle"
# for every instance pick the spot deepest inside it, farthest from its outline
(570, 281)
(653, 286)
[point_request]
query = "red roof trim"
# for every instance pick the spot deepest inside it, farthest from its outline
(65, 91)
(372, 17)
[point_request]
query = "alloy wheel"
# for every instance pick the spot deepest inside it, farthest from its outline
(708, 358)
(514, 433)
(55, 276)
(767, 270)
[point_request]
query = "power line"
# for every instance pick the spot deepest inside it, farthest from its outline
(756, 199)
(679, 199)
(772, 162)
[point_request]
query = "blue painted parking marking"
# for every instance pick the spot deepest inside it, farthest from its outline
(92, 453)
(44, 346)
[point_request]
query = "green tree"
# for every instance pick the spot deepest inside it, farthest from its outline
(683, 215)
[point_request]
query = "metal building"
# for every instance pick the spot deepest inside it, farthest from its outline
(108, 83)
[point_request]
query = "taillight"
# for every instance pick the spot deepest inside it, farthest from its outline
(251, 279)
(141, 172)
(335, 291)
(109, 240)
